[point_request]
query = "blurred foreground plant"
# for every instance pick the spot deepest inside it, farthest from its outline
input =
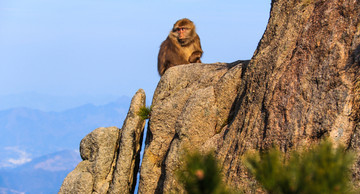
(321, 169)
(201, 174)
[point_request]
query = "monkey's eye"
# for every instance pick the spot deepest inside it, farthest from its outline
(181, 29)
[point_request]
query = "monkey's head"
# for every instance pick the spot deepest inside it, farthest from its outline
(183, 31)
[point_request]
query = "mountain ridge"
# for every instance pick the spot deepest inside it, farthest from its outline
(56, 103)
(31, 130)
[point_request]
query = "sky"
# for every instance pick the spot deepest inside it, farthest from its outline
(90, 49)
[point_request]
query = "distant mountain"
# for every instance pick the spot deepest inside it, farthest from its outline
(28, 133)
(44, 102)
(38, 149)
(42, 175)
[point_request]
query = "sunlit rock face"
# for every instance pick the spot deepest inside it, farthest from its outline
(110, 156)
(301, 85)
(190, 106)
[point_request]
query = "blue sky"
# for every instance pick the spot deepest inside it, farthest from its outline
(109, 47)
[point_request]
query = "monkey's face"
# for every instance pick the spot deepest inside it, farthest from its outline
(183, 31)
(184, 35)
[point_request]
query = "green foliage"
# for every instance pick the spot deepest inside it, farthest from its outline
(321, 169)
(144, 112)
(201, 174)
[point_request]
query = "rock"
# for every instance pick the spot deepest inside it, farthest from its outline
(94, 173)
(128, 159)
(110, 156)
(301, 86)
(80, 180)
(185, 114)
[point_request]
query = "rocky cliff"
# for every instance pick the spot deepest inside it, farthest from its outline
(110, 156)
(301, 85)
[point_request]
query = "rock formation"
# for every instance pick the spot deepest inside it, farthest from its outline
(298, 88)
(110, 156)
(190, 104)
(128, 159)
(301, 85)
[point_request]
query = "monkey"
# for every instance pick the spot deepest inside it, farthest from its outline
(182, 46)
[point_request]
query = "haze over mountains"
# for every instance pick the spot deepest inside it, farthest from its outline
(47, 102)
(39, 148)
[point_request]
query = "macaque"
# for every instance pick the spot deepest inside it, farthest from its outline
(182, 46)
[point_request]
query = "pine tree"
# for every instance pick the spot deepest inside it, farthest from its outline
(321, 169)
(200, 174)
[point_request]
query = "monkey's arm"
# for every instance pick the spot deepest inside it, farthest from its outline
(197, 52)
(161, 62)
(195, 57)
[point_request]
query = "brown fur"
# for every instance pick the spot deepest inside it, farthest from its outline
(180, 49)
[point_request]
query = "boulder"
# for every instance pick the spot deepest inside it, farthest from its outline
(110, 156)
